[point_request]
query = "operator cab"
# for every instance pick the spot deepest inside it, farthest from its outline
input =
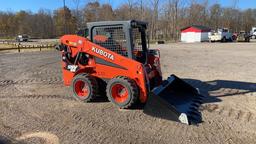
(127, 38)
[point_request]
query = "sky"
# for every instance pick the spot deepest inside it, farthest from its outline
(35, 5)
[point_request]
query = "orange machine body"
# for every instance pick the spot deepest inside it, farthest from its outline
(111, 65)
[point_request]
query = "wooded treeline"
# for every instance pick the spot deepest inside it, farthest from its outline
(165, 17)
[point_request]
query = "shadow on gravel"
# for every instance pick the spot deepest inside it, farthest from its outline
(6, 140)
(214, 90)
(100, 99)
(211, 91)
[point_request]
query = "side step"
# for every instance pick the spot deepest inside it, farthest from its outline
(175, 100)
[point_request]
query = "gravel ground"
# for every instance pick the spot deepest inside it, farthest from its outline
(35, 107)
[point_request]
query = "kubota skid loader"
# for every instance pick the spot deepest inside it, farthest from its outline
(114, 57)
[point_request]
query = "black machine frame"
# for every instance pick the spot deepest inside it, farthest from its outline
(127, 27)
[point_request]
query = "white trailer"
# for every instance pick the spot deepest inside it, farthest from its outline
(253, 32)
(222, 35)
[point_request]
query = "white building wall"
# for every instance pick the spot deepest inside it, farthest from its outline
(190, 37)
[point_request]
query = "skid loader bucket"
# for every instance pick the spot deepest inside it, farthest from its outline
(175, 100)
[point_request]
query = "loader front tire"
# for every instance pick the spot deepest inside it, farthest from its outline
(122, 91)
(84, 87)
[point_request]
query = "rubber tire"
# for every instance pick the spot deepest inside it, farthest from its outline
(224, 39)
(132, 90)
(92, 84)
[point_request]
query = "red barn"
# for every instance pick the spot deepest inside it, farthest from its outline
(195, 33)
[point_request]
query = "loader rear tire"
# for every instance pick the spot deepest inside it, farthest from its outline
(122, 91)
(84, 87)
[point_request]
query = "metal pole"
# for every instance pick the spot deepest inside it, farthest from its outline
(19, 47)
(64, 8)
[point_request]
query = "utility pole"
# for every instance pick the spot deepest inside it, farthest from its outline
(141, 10)
(64, 8)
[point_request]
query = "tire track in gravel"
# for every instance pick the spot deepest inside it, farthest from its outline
(29, 121)
(107, 129)
(48, 80)
(6, 82)
(81, 129)
(82, 126)
(46, 72)
(219, 129)
(80, 121)
(29, 62)
(31, 100)
(39, 97)
(244, 116)
(188, 134)
(162, 131)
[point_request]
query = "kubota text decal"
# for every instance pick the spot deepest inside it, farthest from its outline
(103, 53)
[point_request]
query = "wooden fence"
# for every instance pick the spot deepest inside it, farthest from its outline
(18, 46)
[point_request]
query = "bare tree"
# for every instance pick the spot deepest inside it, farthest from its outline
(165, 17)
(106, 12)
(235, 4)
(215, 13)
(77, 2)
(155, 6)
(131, 4)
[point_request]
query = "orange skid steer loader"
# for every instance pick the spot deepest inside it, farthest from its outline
(113, 57)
